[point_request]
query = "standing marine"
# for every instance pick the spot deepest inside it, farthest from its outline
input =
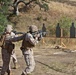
(29, 40)
(7, 49)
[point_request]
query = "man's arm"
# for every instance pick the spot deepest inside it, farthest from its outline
(32, 40)
(17, 38)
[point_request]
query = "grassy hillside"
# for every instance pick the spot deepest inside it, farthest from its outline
(57, 10)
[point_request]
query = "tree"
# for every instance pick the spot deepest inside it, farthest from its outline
(5, 4)
(42, 4)
(3, 14)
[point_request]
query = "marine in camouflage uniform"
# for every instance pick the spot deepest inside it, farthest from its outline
(29, 41)
(6, 55)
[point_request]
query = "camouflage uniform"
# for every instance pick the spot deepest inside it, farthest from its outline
(6, 56)
(28, 55)
(14, 58)
(26, 50)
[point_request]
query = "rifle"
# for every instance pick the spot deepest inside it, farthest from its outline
(40, 34)
(17, 32)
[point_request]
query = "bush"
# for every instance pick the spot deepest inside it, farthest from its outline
(45, 6)
(3, 14)
(65, 24)
(3, 22)
(52, 30)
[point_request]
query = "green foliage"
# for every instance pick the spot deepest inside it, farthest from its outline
(3, 22)
(1, 28)
(3, 19)
(5, 6)
(3, 14)
(45, 6)
(65, 23)
(51, 28)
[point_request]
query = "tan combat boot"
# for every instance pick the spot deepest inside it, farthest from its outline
(16, 66)
(10, 73)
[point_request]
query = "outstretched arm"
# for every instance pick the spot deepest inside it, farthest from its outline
(31, 39)
(15, 39)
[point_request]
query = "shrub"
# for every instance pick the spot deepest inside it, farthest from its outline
(65, 23)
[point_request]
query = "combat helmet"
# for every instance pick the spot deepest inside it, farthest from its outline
(33, 28)
(8, 28)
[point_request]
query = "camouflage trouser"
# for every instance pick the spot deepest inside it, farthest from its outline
(6, 62)
(29, 59)
(13, 57)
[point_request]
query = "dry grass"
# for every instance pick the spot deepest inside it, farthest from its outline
(69, 43)
(63, 8)
(52, 16)
(55, 12)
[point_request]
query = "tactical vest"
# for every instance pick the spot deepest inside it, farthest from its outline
(8, 46)
(26, 44)
(2, 39)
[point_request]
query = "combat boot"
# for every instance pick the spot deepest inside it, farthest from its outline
(9, 73)
(16, 66)
(23, 73)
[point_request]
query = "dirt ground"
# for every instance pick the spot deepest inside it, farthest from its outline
(49, 61)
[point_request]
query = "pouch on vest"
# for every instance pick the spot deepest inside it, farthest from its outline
(2, 40)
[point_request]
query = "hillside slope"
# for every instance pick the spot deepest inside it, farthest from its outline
(56, 11)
